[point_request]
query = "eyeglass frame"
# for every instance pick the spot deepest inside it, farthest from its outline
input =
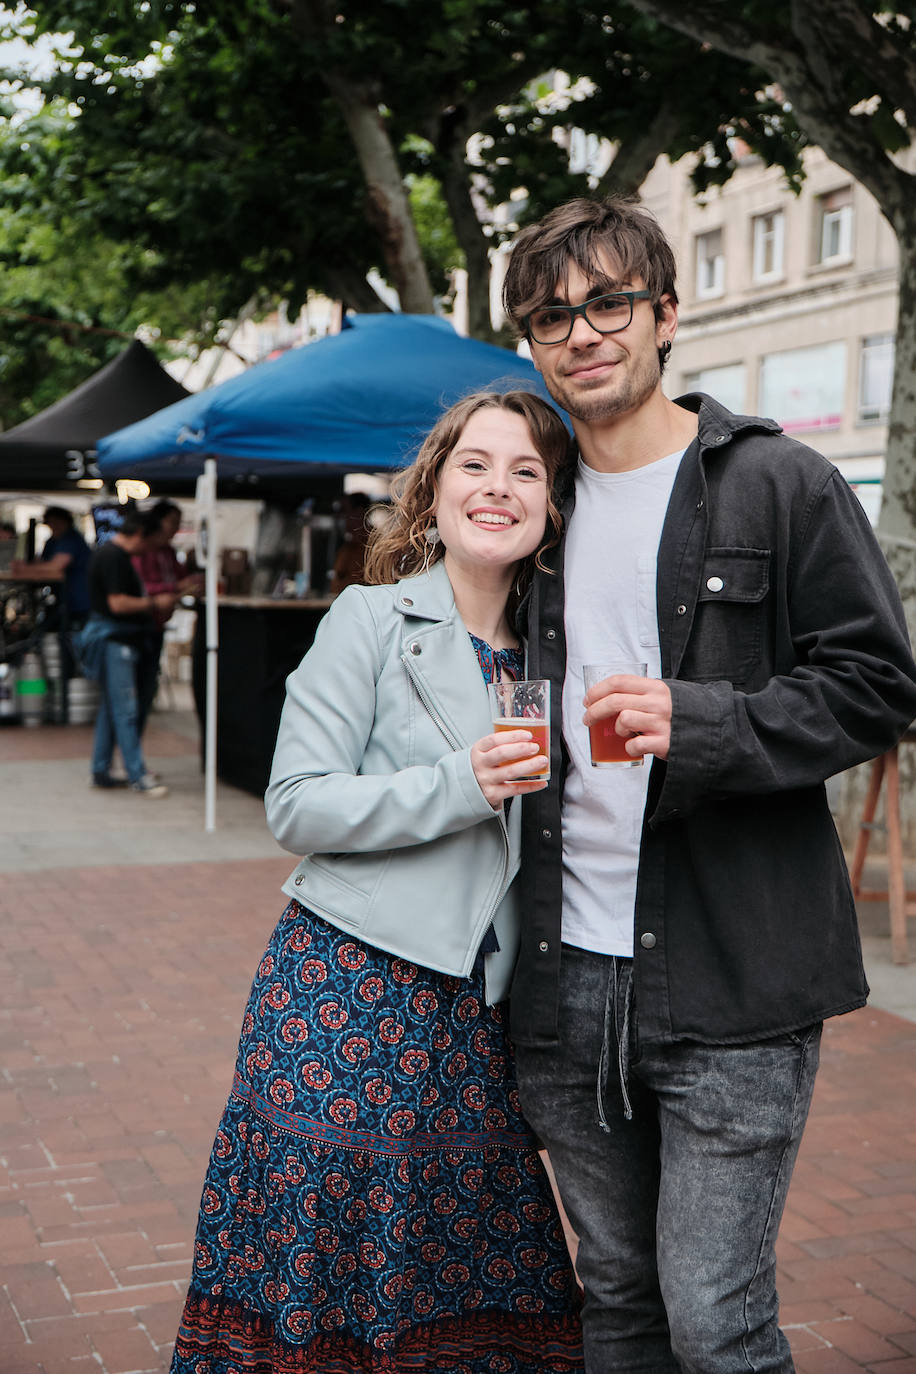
(574, 310)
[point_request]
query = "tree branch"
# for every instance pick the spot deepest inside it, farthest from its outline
(636, 156)
(388, 207)
(823, 113)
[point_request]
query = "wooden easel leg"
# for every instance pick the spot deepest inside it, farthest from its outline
(896, 887)
(868, 815)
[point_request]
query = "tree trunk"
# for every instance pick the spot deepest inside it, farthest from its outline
(456, 186)
(638, 153)
(898, 508)
(388, 208)
(353, 291)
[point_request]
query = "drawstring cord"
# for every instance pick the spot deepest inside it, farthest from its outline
(623, 1046)
(611, 1018)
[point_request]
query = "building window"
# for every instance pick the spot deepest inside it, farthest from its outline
(710, 264)
(835, 226)
(876, 377)
(769, 236)
(803, 388)
(724, 384)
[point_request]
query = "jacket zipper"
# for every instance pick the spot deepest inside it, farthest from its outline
(457, 745)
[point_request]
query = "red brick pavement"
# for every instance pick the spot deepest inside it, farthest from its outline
(19, 745)
(121, 991)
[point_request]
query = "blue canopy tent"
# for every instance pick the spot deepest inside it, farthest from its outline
(360, 400)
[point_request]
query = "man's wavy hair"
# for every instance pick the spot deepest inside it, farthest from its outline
(628, 234)
(399, 547)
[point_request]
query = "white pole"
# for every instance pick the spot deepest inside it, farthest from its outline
(206, 494)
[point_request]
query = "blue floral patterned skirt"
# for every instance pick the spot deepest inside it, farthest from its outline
(374, 1200)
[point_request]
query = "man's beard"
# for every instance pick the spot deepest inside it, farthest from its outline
(602, 404)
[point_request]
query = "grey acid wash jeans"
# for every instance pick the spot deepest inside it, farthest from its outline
(673, 1166)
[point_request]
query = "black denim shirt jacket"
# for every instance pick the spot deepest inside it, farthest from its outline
(784, 645)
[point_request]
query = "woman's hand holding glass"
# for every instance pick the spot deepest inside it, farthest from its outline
(503, 763)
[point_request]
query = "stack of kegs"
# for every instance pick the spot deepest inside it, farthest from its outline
(32, 689)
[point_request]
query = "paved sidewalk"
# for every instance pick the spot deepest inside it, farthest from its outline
(128, 938)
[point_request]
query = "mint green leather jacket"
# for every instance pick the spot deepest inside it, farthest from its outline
(372, 782)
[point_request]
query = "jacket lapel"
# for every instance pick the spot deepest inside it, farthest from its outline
(437, 652)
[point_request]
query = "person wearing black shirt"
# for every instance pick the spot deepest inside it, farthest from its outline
(120, 623)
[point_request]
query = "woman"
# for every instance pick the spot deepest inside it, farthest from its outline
(375, 1200)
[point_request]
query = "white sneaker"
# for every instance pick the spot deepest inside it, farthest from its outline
(150, 787)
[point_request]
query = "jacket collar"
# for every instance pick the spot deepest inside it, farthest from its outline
(716, 425)
(715, 428)
(426, 596)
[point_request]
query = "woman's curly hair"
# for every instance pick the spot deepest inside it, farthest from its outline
(399, 547)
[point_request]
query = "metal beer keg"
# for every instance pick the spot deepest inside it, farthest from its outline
(32, 689)
(82, 701)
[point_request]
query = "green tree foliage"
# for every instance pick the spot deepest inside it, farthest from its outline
(218, 141)
(62, 309)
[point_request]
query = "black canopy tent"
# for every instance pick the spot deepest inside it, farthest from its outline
(54, 449)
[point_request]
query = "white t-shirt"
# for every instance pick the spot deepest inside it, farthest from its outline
(609, 573)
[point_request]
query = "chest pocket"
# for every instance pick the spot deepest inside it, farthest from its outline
(728, 628)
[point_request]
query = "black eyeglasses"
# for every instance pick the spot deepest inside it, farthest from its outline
(552, 324)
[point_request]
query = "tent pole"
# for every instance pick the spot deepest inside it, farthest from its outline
(212, 640)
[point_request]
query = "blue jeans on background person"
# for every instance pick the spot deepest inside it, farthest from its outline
(118, 720)
(150, 652)
(676, 1208)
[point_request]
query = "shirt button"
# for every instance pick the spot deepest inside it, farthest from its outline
(699, 505)
(550, 634)
(543, 946)
(720, 438)
(406, 601)
(714, 584)
(682, 610)
(647, 940)
(299, 880)
(415, 648)
(546, 834)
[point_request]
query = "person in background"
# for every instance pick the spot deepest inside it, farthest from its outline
(374, 1200)
(111, 651)
(158, 565)
(161, 573)
(65, 555)
(689, 925)
(351, 556)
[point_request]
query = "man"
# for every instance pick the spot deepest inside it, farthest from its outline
(690, 925)
(113, 651)
(64, 561)
(65, 556)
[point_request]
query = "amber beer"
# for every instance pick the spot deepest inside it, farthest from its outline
(608, 749)
(523, 706)
(606, 745)
(540, 735)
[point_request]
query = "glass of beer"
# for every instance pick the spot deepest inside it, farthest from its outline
(524, 706)
(607, 746)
